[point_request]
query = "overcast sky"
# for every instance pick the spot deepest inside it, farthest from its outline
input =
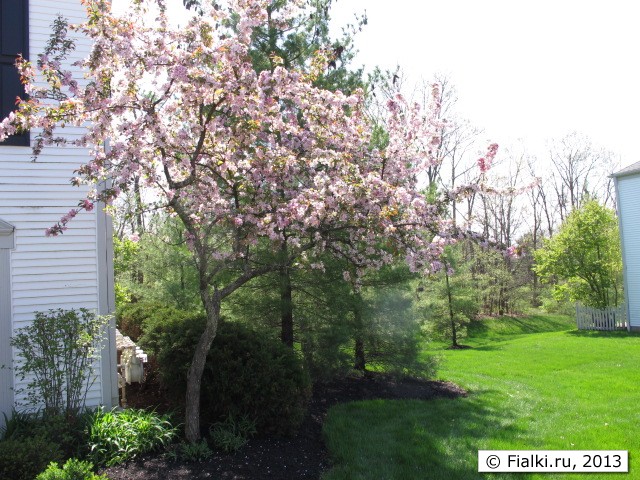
(523, 69)
(528, 70)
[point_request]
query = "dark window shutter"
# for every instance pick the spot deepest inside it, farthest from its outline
(14, 40)
(12, 36)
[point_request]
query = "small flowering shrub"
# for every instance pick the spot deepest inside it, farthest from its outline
(58, 351)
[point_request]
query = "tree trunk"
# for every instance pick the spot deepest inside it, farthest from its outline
(286, 302)
(194, 376)
(359, 360)
(454, 333)
(139, 223)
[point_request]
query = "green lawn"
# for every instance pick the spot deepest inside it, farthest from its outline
(534, 383)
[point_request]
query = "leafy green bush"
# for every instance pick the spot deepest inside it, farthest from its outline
(117, 436)
(73, 469)
(553, 305)
(246, 373)
(24, 458)
(171, 335)
(67, 433)
(131, 316)
(58, 351)
(233, 433)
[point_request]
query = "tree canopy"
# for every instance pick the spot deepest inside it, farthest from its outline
(242, 158)
(585, 257)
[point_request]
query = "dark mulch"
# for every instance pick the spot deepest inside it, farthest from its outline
(301, 457)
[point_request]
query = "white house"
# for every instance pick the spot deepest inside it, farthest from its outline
(627, 182)
(38, 273)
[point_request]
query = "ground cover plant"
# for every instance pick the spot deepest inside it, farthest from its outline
(528, 389)
(117, 436)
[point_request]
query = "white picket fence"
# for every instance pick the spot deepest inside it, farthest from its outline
(610, 318)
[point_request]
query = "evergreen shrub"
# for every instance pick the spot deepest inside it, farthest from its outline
(246, 374)
(73, 469)
(130, 317)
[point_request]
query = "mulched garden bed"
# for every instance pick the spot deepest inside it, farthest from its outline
(301, 457)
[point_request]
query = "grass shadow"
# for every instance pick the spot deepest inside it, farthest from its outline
(491, 327)
(489, 348)
(615, 334)
(415, 439)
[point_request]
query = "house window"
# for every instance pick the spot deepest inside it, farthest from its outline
(14, 40)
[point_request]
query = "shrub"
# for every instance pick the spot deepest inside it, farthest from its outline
(68, 433)
(118, 436)
(131, 316)
(58, 351)
(171, 335)
(246, 373)
(552, 305)
(24, 458)
(73, 469)
(250, 374)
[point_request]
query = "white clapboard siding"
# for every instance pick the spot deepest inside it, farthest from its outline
(629, 206)
(61, 272)
(62, 259)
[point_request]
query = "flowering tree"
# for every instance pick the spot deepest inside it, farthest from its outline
(237, 156)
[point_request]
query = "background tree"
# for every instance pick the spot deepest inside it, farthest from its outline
(580, 172)
(387, 325)
(584, 257)
(157, 267)
(449, 300)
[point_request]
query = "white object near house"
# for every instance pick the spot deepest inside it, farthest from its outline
(38, 273)
(132, 359)
(627, 182)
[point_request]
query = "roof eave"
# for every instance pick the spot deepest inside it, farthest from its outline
(6, 228)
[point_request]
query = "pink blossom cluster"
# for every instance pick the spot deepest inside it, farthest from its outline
(246, 156)
(485, 162)
(513, 251)
(61, 225)
(413, 147)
